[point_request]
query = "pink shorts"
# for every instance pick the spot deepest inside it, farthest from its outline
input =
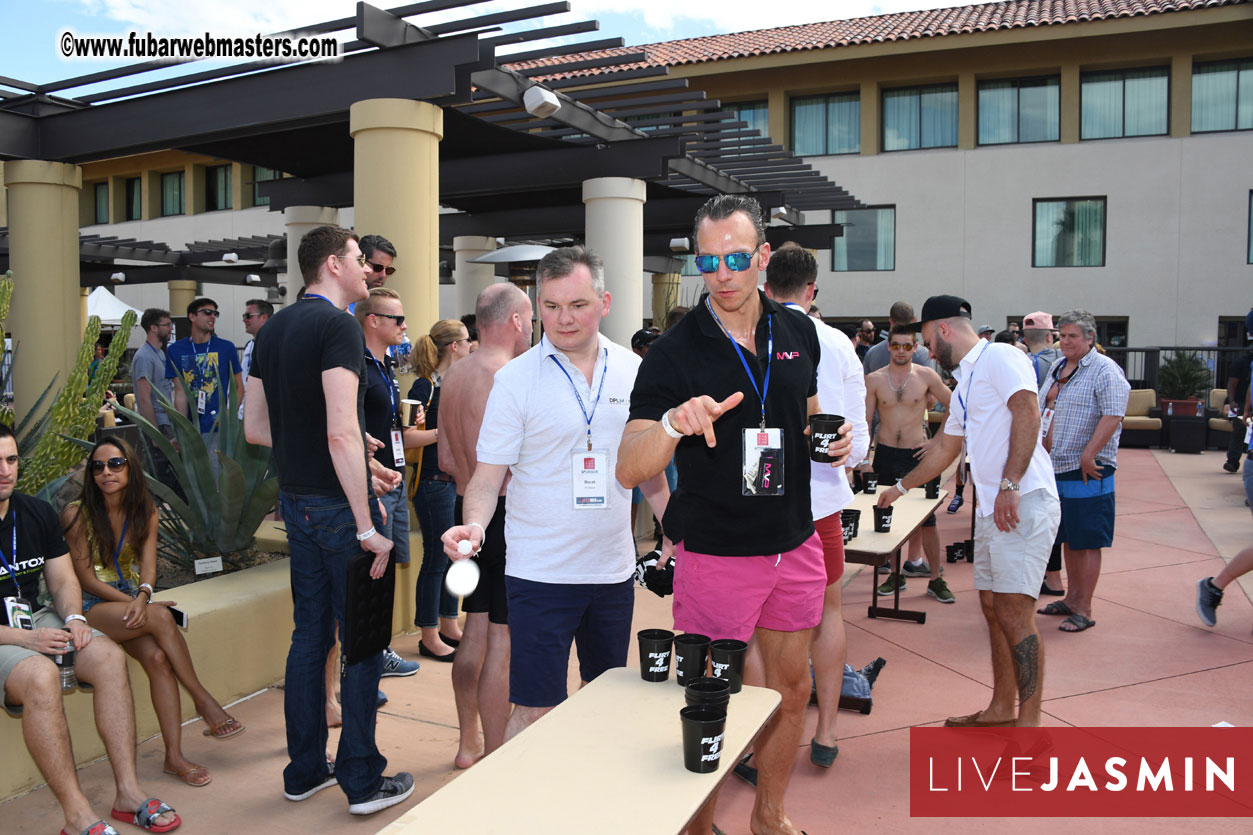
(729, 597)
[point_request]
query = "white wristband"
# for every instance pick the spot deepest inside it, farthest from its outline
(477, 525)
(362, 537)
(69, 618)
(668, 427)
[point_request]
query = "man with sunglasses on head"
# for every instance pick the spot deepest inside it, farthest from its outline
(740, 372)
(207, 364)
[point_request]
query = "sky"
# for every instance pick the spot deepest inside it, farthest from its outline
(28, 37)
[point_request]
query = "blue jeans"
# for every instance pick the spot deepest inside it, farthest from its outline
(396, 528)
(321, 534)
(433, 504)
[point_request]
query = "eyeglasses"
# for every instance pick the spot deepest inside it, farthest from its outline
(360, 259)
(815, 284)
(252, 316)
(896, 346)
(117, 463)
(737, 262)
(209, 312)
(399, 320)
(379, 268)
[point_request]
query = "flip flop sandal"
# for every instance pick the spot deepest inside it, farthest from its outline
(1057, 608)
(225, 729)
(97, 828)
(822, 755)
(145, 816)
(196, 776)
(1078, 621)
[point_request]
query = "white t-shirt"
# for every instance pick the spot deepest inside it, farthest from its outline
(841, 391)
(990, 375)
(533, 425)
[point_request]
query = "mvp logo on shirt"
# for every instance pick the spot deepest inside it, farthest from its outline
(787, 355)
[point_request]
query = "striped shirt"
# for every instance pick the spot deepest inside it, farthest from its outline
(1097, 389)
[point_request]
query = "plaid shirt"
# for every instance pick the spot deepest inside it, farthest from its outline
(1098, 389)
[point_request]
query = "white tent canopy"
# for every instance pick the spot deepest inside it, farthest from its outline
(108, 307)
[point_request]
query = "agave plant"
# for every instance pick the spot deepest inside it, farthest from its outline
(221, 514)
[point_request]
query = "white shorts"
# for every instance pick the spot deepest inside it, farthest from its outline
(1013, 561)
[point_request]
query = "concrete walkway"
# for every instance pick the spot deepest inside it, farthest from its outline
(1147, 662)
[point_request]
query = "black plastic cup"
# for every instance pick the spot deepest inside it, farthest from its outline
(655, 650)
(882, 519)
(703, 729)
(691, 656)
(726, 659)
(824, 430)
(870, 483)
(857, 481)
(950, 553)
(851, 516)
(713, 692)
(933, 488)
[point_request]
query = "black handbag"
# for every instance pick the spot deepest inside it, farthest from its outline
(368, 608)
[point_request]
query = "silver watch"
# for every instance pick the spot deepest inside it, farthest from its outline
(1006, 484)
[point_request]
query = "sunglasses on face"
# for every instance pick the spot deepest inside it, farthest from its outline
(896, 346)
(399, 320)
(360, 259)
(116, 463)
(251, 316)
(208, 312)
(379, 268)
(737, 262)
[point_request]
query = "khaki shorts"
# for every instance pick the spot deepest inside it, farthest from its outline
(11, 656)
(1013, 561)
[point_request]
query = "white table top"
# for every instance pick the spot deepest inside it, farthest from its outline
(607, 760)
(908, 513)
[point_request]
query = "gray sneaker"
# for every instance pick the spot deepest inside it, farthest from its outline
(393, 790)
(938, 589)
(325, 784)
(394, 665)
(1208, 598)
(916, 569)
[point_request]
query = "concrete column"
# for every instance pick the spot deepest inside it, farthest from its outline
(967, 109)
(43, 254)
(83, 293)
(665, 296)
(1181, 94)
(297, 220)
(396, 195)
(614, 230)
(1068, 103)
(182, 293)
(471, 279)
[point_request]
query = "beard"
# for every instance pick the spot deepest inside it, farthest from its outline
(944, 353)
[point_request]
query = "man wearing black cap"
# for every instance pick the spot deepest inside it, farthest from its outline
(995, 412)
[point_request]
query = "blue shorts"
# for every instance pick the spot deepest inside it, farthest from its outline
(545, 617)
(1087, 509)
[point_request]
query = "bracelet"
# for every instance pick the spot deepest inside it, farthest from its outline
(362, 537)
(901, 487)
(146, 587)
(668, 427)
(477, 525)
(69, 618)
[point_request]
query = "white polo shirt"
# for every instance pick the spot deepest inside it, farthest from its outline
(841, 391)
(990, 375)
(533, 425)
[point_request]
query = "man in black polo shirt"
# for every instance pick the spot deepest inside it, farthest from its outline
(31, 544)
(306, 395)
(749, 564)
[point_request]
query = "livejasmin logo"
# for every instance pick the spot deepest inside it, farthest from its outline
(1081, 772)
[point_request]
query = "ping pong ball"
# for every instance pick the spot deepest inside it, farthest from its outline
(462, 577)
(464, 547)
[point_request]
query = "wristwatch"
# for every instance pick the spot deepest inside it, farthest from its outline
(1006, 484)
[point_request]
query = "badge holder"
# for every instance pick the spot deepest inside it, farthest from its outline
(589, 470)
(19, 612)
(762, 463)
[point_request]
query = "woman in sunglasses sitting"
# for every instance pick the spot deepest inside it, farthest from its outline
(112, 534)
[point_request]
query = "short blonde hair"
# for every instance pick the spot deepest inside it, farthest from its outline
(370, 303)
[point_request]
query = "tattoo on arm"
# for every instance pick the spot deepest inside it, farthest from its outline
(1027, 666)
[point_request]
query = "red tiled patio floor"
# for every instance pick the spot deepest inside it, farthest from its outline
(1147, 662)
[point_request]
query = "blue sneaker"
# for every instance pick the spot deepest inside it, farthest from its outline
(394, 665)
(382, 698)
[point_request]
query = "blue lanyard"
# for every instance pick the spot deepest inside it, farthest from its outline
(319, 296)
(604, 372)
(765, 389)
(391, 386)
(117, 551)
(196, 355)
(12, 568)
(970, 381)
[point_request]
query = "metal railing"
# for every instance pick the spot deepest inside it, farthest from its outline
(1141, 365)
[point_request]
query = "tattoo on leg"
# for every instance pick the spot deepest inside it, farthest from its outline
(1027, 667)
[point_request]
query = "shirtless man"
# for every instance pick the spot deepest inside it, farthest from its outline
(480, 672)
(901, 392)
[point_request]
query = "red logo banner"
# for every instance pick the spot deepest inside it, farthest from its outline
(1081, 772)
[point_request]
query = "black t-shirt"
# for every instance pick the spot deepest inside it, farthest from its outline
(428, 395)
(707, 511)
(39, 538)
(293, 349)
(382, 407)
(1241, 370)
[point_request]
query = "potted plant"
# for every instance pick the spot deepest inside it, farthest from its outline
(1182, 381)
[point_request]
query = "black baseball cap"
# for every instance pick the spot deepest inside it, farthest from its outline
(942, 307)
(644, 337)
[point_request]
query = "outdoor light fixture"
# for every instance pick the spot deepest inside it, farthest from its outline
(680, 244)
(778, 213)
(252, 278)
(541, 102)
(118, 278)
(230, 257)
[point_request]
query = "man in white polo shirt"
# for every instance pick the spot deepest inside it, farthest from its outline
(995, 410)
(554, 419)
